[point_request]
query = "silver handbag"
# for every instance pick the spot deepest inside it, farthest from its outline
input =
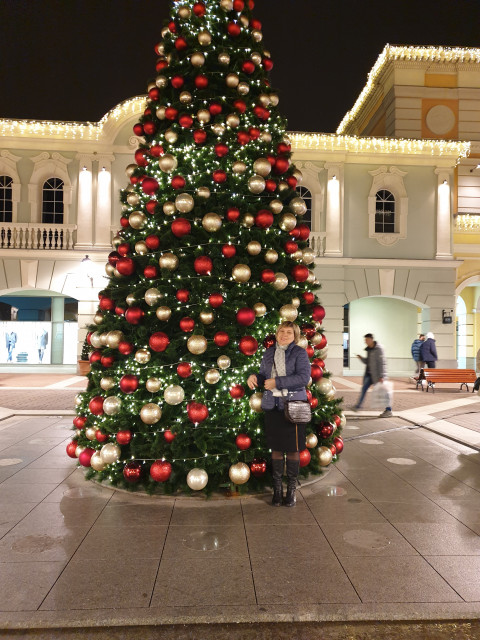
(297, 411)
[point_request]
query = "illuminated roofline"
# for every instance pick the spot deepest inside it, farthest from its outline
(391, 53)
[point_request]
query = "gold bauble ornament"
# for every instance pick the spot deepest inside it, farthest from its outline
(274, 99)
(78, 399)
(311, 441)
(256, 184)
(211, 222)
(243, 88)
(96, 461)
(232, 80)
(153, 385)
(152, 296)
(163, 313)
(130, 299)
(203, 192)
(170, 136)
(324, 385)
(218, 129)
(204, 116)
(107, 383)
(142, 356)
(233, 120)
(212, 376)
(260, 309)
(224, 362)
(160, 48)
(79, 450)
(96, 340)
(133, 199)
(276, 206)
(114, 338)
(197, 59)
(226, 5)
(324, 456)
(161, 82)
(184, 13)
(255, 402)
(98, 318)
(263, 98)
(283, 186)
(254, 248)
(129, 169)
(257, 35)
(197, 479)
(103, 339)
(184, 202)
(168, 163)
(197, 344)
(316, 338)
(169, 208)
(266, 137)
(164, 32)
(296, 302)
(117, 274)
(110, 452)
(298, 175)
(343, 420)
(262, 167)
(109, 269)
(112, 405)
(160, 113)
(174, 394)
(331, 394)
(280, 282)
(224, 58)
(239, 473)
(322, 353)
(150, 413)
(141, 248)
(90, 433)
(288, 313)
(204, 38)
(297, 255)
(206, 317)
(248, 220)
(298, 206)
(287, 222)
(137, 220)
(311, 277)
(244, 20)
(168, 261)
(271, 256)
(239, 167)
(241, 273)
(308, 256)
(185, 97)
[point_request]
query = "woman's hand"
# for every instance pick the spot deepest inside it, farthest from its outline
(270, 384)
(252, 381)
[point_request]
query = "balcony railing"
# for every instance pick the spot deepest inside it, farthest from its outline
(29, 235)
(467, 223)
(317, 242)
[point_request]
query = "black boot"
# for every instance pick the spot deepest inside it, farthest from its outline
(277, 473)
(293, 467)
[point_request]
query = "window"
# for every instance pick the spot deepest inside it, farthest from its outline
(384, 212)
(306, 194)
(52, 201)
(6, 199)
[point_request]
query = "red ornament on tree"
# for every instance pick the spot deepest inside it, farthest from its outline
(160, 471)
(201, 81)
(150, 271)
(215, 108)
(245, 316)
(171, 113)
(203, 265)
(85, 456)
(269, 341)
(316, 372)
(309, 351)
(169, 436)
(181, 44)
(200, 136)
(237, 392)
(233, 214)
(177, 82)
(178, 182)
(182, 295)
(128, 383)
(337, 420)
(243, 138)
(159, 341)
(106, 304)
(149, 128)
(215, 300)
(270, 185)
(281, 166)
(71, 448)
(308, 330)
(308, 296)
(300, 273)
(248, 345)
(238, 5)
(181, 227)
(234, 29)
(240, 106)
(125, 266)
(79, 421)
(219, 176)
(304, 231)
(187, 324)
(313, 403)
(124, 436)
(185, 121)
(221, 150)
(197, 412)
(107, 361)
(318, 313)
(290, 246)
(149, 186)
(95, 356)
(132, 472)
(152, 242)
(221, 338)
(100, 437)
(248, 67)
(322, 344)
(123, 249)
(199, 9)
(156, 150)
(326, 431)
(258, 467)
(338, 443)
(305, 457)
(267, 275)
(229, 250)
(184, 369)
(120, 311)
(264, 219)
(96, 405)
(243, 442)
(138, 129)
(134, 315)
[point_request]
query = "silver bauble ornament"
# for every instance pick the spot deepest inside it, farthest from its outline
(204, 116)
(129, 169)
(137, 220)
(260, 309)
(79, 450)
(298, 206)
(233, 120)
(98, 318)
(254, 248)
(296, 302)
(160, 113)
(324, 456)
(110, 452)
(311, 276)
(112, 405)
(152, 296)
(266, 137)
(271, 256)
(168, 163)
(197, 344)
(141, 248)
(262, 167)
(241, 273)
(324, 385)
(280, 282)
(311, 441)
(287, 222)
(298, 175)
(211, 222)
(224, 362)
(239, 473)
(169, 208)
(256, 184)
(90, 433)
(163, 313)
(218, 129)
(103, 339)
(204, 38)
(255, 402)
(107, 383)
(232, 80)
(185, 97)
(206, 317)
(109, 269)
(224, 58)
(197, 59)
(142, 356)
(184, 202)
(203, 192)
(197, 479)
(212, 376)
(153, 385)
(161, 82)
(96, 461)
(283, 186)
(174, 394)
(96, 340)
(276, 206)
(308, 256)
(171, 136)
(184, 13)
(263, 98)
(243, 88)
(78, 399)
(288, 313)
(133, 199)
(150, 413)
(114, 338)
(248, 220)
(239, 167)
(257, 35)
(168, 261)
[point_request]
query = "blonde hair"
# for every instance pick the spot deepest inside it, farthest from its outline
(290, 325)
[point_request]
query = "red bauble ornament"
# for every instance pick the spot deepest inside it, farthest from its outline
(290, 246)
(160, 471)
(134, 315)
(261, 112)
(96, 405)
(187, 324)
(125, 347)
(264, 219)
(181, 227)
(319, 362)
(203, 265)
(221, 150)
(154, 95)
(138, 129)
(233, 29)
(201, 81)
(128, 383)
(200, 136)
(281, 166)
(316, 372)
(337, 420)
(132, 472)
(221, 338)
(219, 176)
(71, 448)
(161, 64)
(240, 105)
(178, 182)
(152, 242)
(308, 296)
(141, 157)
(95, 356)
(267, 275)
(85, 456)
(229, 250)
(100, 437)
(318, 313)
(184, 369)
(125, 266)
(215, 300)
(79, 421)
(172, 26)
(182, 295)
(124, 436)
(314, 403)
(292, 182)
(254, 133)
(269, 341)
(215, 108)
(156, 150)
(256, 24)
(159, 341)
(308, 330)
(123, 249)
(185, 121)
(270, 185)
(245, 316)
(300, 273)
(248, 345)
(283, 148)
(181, 44)
(124, 222)
(267, 64)
(199, 9)
(305, 457)
(338, 443)
(149, 186)
(326, 431)
(107, 304)
(309, 351)
(107, 361)
(233, 214)
(258, 467)
(120, 311)
(150, 271)
(177, 82)
(169, 436)
(149, 128)
(88, 337)
(237, 392)
(243, 138)
(238, 5)
(248, 67)
(304, 231)
(243, 442)
(197, 412)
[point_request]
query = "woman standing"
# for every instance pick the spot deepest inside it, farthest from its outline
(284, 371)
(428, 351)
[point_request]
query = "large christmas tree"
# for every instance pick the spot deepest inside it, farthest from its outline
(211, 257)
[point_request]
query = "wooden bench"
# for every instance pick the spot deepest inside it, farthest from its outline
(431, 376)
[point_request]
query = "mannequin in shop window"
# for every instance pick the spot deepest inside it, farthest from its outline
(11, 341)
(42, 342)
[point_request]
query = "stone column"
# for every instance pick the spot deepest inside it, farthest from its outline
(444, 214)
(103, 211)
(58, 318)
(334, 212)
(85, 203)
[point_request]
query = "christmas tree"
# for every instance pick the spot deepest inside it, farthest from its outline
(211, 257)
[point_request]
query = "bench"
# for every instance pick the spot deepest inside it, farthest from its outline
(431, 376)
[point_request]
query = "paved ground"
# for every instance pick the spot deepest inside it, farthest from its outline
(385, 545)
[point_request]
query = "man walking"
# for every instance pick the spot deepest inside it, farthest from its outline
(416, 345)
(376, 371)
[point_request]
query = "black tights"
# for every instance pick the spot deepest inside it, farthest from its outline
(291, 455)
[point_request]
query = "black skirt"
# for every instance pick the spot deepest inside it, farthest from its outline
(281, 434)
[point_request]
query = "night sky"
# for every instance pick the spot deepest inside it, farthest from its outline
(77, 59)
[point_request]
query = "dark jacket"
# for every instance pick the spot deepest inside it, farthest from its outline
(375, 361)
(298, 370)
(416, 346)
(428, 351)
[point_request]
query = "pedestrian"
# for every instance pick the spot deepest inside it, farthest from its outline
(428, 351)
(285, 369)
(375, 371)
(416, 344)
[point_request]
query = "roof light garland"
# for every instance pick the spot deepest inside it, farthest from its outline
(445, 55)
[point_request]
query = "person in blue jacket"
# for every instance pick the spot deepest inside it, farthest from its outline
(416, 346)
(428, 351)
(284, 372)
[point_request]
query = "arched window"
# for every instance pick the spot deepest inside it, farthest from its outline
(306, 194)
(52, 201)
(6, 199)
(384, 212)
